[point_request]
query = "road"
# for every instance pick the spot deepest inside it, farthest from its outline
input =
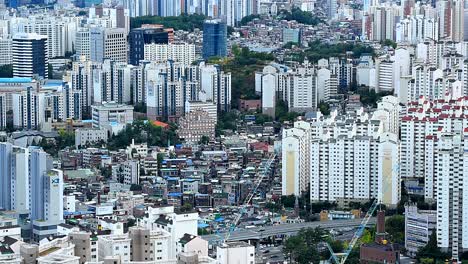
(284, 229)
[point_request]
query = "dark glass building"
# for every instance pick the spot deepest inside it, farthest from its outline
(30, 55)
(214, 38)
(138, 37)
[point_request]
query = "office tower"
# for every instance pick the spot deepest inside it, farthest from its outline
(108, 43)
(292, 35)
(82, 43)
(28, 109)
(139, 37)
(214, 38)
(30, 55)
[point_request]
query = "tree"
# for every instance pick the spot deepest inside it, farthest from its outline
(300, 16)
(389, 43)
(106, 172)
(245, 20)
(131, 222)
(324, 108)
(143, 131)
(432, 251)
(140, 107)
(186, 208)
(282, 112)
(204, 140)
(136, 188)
(183, 22)
(395, 227)
(321, 50)
(370, 97)
(302, 248)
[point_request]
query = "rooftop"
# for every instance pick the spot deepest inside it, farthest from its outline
(16, 80)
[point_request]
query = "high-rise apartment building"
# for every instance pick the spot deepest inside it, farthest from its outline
(343, 159)
(451, 170)
(177, 52)
(40, 163)
(421, 126)
(139, 37)
(28, 109)
(14, 172)
(30, 55)
(3, 111)
(112, 82)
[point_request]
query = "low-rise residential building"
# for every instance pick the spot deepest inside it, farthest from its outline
(58, 259)
(149, 245)
(419, 225)
(195, 125)
(9, 227)
(84, 136)
(114, 245)
(112, 116)
(235, 252)
(192, 243)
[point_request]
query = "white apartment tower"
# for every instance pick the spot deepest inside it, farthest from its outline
(28, 109)
(452, 193)
(177, 52)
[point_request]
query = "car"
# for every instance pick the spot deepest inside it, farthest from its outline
(274, 256)
(266, 251)
(261, 230)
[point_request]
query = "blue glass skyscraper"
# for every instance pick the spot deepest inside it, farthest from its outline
(214, 38)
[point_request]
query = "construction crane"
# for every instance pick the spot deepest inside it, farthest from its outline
(340, 258)
(248, 199)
